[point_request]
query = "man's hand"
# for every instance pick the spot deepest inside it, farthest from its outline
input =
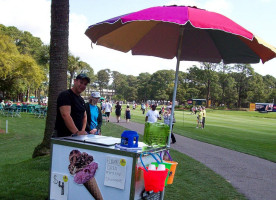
(82, 133)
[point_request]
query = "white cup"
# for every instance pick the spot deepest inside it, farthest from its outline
(152, 167)
(161, 167)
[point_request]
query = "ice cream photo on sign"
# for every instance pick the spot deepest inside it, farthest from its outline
(83, 169)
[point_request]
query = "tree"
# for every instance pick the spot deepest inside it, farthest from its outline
(73, 66)
(18, 72)
(122, 88)
(103, 77)
(132, 84)
(182, 87)
(117, 78)
(143, 87)
(28, 46)
(256, 91)
(244, 71)
(160, 84)
(58, 67)
(228, 92)
(270, 88)
(204, 79)
(85, 68)
(208, 77)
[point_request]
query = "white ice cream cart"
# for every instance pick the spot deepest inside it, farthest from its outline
(113, 173)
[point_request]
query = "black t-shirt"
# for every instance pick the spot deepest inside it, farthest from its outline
(69, 98)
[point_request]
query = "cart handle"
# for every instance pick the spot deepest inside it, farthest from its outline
(152, 156)
(166, 151)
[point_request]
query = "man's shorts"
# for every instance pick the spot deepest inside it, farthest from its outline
(107, 114)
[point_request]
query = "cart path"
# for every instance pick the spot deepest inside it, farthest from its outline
(252, 176)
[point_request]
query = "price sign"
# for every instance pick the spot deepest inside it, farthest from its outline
(59, 186)
(115, 172)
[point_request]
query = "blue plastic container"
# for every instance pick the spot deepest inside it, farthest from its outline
(129, 139)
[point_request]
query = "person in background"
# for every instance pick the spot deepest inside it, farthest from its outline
(152, 115)
(199, 118)
(94, 115)
(118, 109)
(196, 110)
(102, 105)
(127, 114)
(3, 103)
(71, 115)
(143, 108)
(203, 117)
(167, 119)
(107, 109)
(162, 110)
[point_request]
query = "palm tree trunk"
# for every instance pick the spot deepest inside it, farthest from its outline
(71, 79)
(58, 68)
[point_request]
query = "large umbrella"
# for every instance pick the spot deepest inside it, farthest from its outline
(187, 33)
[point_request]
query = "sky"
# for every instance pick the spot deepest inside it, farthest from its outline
(257, 16)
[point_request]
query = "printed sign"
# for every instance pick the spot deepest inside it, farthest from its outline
(59, 186)
(115, 172)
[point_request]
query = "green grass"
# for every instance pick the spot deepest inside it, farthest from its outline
(248, 132)
(24, 178)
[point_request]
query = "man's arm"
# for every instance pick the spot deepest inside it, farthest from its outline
(65, 113)
(146, 118)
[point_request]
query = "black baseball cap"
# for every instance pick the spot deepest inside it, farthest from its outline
(83, 76)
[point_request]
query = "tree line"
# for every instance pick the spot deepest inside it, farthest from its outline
(228, 85)
(24, 62)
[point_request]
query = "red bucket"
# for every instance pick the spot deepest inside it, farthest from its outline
(154, 180)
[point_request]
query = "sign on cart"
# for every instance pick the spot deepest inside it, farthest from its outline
(59, 186)
(115, 172)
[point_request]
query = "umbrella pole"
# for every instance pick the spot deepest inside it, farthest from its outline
(176, 80)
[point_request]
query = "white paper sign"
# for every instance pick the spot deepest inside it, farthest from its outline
(115, 172)
(59, 186)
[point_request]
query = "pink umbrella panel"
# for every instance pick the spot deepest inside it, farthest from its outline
(207, 36)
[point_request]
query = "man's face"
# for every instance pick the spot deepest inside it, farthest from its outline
(80, 85)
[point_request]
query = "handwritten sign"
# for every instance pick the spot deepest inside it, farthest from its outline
(115, 172)
(59, 186)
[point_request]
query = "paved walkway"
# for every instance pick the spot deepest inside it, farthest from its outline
(252, 176)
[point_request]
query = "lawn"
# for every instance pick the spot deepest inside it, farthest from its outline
(248, 132)
(24, 178)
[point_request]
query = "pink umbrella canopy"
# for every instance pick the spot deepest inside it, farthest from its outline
(187, 33)
(207, 36)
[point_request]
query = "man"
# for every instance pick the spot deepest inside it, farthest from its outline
(94, 114)
(203, 117)
(107, 109)
(152, 115)
(71, 115)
